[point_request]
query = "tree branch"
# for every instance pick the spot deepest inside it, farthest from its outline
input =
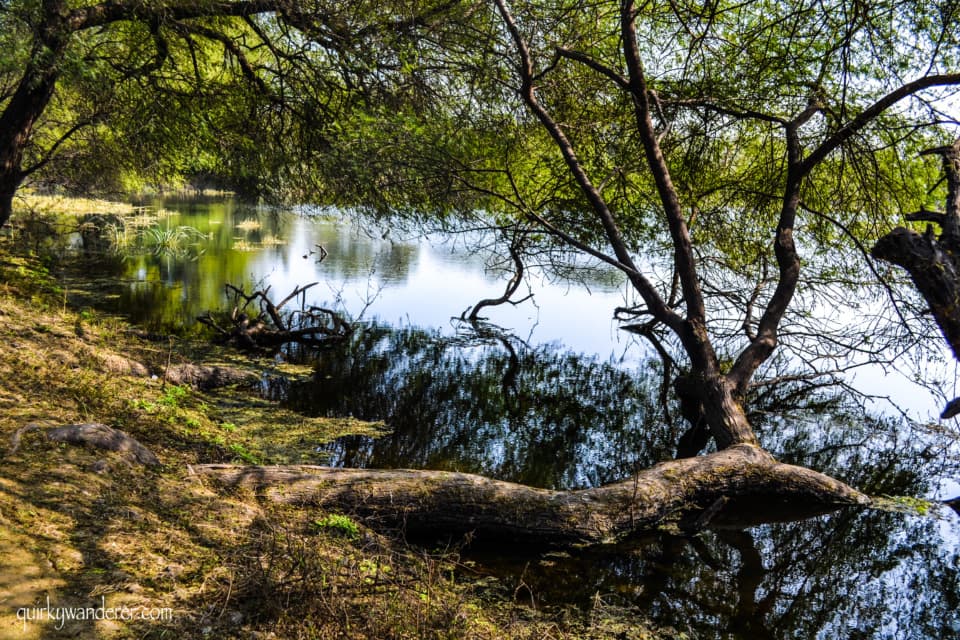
(870, 113)
(115, 11)
(868, 259)
(596, 65)
(528, 93)
(695, 340)
(52, 151)
(788, 266)
(512, 285)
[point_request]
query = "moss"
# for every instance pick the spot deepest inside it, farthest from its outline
(338, 524)
(905, 504)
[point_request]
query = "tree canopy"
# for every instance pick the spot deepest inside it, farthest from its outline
(122, 93)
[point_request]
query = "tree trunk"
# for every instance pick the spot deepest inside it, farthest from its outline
(934, 262)
(6, 199)
(740, 486)
(711, 406)
(932, 266)
(28, 102)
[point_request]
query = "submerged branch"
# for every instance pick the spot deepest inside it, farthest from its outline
(512, 286)
(267, 325)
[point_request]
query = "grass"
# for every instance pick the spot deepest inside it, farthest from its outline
(338, 524)
(82, 527)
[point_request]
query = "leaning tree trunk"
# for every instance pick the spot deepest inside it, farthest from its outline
(739, 486)
(29, 100)
(934, 262)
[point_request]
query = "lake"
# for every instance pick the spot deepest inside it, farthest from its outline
(555, 395)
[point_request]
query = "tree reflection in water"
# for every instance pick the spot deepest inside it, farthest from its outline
(487, 403)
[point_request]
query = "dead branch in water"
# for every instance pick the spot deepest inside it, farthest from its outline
(257, 323)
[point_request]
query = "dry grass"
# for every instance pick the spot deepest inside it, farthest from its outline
(81, 528)
(49, 203)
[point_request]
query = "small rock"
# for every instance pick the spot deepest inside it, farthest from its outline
(123, 366)
(207, 377)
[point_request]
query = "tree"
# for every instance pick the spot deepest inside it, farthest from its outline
(721, 103)
(181, 81)
(677, 138)
(671, 141)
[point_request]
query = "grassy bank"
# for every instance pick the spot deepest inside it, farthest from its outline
(86, 528)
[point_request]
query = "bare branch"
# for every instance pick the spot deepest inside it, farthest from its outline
(115, 11)
(52, 151)
(695, 340)
(512, 285)
(734, 112)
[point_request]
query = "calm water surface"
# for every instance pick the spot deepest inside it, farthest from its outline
(555, 396)
(410, 281)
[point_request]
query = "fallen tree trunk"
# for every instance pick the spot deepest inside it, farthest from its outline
(739, 486)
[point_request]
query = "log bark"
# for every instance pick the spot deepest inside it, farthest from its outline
(207, 377)
(933, 268)
(740, 486)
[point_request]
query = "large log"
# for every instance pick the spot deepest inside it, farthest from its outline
(739, 486)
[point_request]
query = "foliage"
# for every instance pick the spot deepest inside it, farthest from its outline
(338, 524)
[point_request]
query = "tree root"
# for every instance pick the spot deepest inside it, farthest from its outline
(92, 434)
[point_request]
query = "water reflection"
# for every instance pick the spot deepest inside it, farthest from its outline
(488, 403)
(852, 575)
(420, 281)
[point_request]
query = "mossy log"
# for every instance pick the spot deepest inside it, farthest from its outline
(739, 486)
(207, 377)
